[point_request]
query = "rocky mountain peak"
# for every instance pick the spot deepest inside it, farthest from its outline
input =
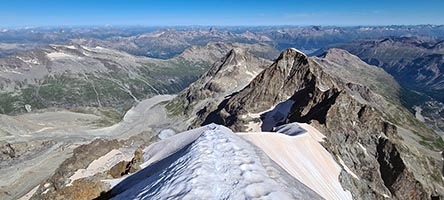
(288, 60)
(236, 62)
(291, 54)
(341, 56)
(235, 55)
(230, 74)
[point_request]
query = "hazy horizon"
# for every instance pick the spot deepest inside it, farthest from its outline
(202, 26)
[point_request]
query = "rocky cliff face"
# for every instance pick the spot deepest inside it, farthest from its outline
(417, 64)
(371, 134)
(230, 74)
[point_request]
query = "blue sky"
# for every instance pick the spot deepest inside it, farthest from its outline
(228, 12)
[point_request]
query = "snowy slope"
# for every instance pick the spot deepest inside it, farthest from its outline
(299, 152)
(210, 162)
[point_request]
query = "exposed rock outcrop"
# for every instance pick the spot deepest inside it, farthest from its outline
(355, 105)
(230, 74)
(82, 156)
(124, 168)
(72, 179)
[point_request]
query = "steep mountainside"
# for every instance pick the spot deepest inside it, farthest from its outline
(357, 106)
(69, 76)
(416, 62)
(228, 75)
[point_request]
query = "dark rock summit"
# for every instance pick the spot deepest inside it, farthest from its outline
(230, 74)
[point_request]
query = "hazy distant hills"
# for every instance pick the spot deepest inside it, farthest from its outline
(167, 42)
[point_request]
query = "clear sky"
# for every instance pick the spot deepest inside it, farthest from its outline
(227, 12)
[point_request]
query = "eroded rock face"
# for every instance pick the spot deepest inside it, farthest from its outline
(355, 105)
(393, 172)
(230, 74)
(416, 62)
(60, 185)
(124, 168)
(86, 188)
(82, 157)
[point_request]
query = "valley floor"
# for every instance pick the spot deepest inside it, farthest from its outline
(65, 131)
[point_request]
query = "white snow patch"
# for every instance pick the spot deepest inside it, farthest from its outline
(166, 133)
(12, 71)
(322, 87)
(86, 48)
(101, 164)
(297, 50)
(253, 126)
(304, 158)
(272, 116)
(33, 61)
(418, 114)
(44, 129)
(70, 46)
(60, 55)
(250, 73)
(348, 170)
(46, 191)
(363, 148)
(156, 34)
(277, 114)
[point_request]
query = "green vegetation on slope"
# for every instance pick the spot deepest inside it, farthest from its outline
(115, 89)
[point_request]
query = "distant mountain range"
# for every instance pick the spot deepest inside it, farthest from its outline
(167, 42)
